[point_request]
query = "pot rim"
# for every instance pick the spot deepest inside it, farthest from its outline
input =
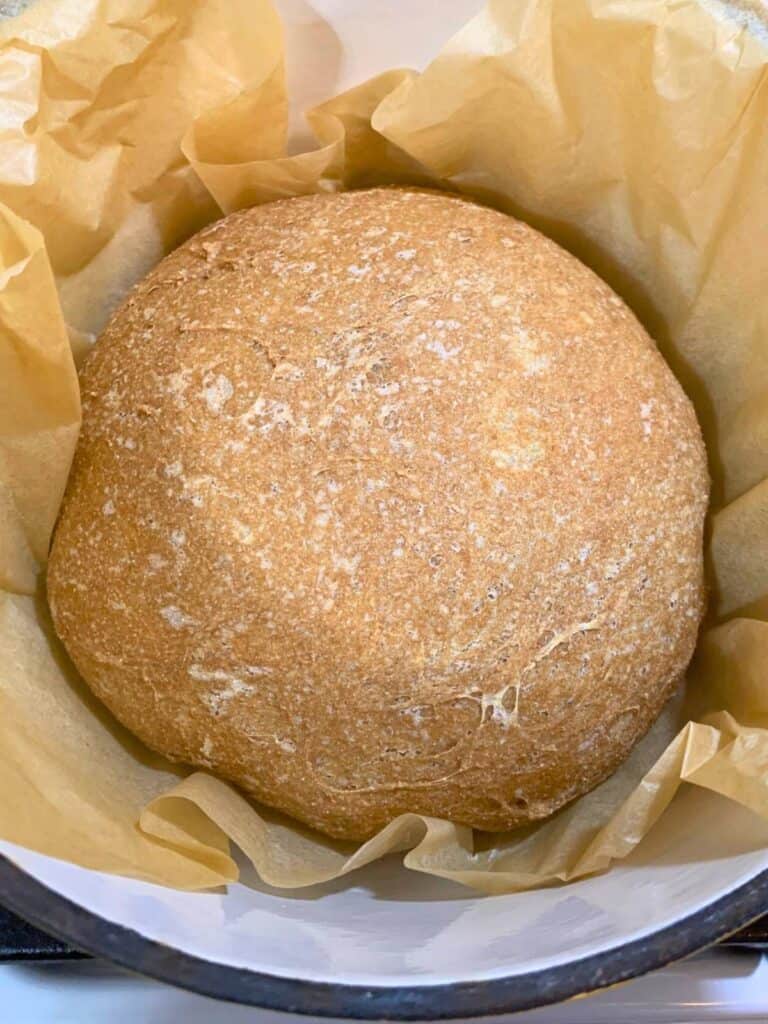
(66, 920)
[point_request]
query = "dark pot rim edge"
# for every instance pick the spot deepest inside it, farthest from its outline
(56, 914)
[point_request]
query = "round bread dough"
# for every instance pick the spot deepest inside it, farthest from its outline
(383, 502)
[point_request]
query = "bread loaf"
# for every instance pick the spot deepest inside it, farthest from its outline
(383, 502)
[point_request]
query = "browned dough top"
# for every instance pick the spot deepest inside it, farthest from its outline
(383, 502)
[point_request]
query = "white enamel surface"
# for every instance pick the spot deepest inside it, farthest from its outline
(332, 45)
(388, 926)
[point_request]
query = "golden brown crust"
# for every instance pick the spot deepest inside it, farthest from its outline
(383, 502)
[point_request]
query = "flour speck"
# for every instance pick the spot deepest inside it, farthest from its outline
(217, 392)
(175, 617)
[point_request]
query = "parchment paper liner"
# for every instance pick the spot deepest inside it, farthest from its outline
(634, 134)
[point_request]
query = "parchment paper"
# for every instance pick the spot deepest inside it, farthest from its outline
(632, 133)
